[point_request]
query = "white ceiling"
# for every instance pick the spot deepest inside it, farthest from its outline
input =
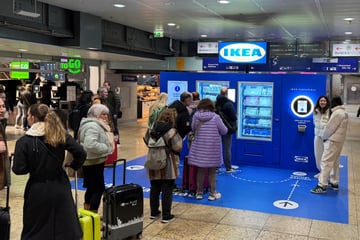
(247, 20)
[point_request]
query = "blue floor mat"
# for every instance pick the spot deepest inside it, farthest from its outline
(268, 190)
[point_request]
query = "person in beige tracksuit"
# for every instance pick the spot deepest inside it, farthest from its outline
(334, 137)
(320, 118)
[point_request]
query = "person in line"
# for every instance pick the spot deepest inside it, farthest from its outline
(27, 97)
(206, 150)
(157, 107)
(195, 96)
(224, 104)
(83, 106)
(49, 211)
(19, 119)
(163, 180)
(95, 134)
(104, 96)
(113, 103)
(320, 118)
(334, 137)
(8, 105)
(4, 156)
(183, 116)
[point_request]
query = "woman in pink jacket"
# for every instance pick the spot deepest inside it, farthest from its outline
(206, 149)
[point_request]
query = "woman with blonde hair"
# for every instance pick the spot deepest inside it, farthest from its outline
(49, 211)
(163, 180)
(158, 106)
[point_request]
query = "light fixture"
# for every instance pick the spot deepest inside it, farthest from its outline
(347, 33)
(119, 5)
(203, 35)
(26, 13)
(348, 19)
(223, 1)
(22, 50)
(171, 24)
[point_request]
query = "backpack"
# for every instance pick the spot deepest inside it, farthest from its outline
(74, 119)
(157, 153)
(232, 128)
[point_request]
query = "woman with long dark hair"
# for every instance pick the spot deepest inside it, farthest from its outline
(320, 117)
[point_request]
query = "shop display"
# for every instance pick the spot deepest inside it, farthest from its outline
(147, 93)
(255, 110)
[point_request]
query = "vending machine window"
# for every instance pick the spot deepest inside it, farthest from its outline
(255, 110)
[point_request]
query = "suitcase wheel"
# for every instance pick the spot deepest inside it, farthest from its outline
(139, 235)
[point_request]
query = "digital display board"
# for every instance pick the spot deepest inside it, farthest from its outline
(210, 89)
(175, 88)
(19, 74)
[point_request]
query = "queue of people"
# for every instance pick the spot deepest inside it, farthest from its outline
(48, 189)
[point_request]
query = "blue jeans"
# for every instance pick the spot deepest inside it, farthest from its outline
(226, 139)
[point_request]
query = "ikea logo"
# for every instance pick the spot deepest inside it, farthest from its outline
(251, 52)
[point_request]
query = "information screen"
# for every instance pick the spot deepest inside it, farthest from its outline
(175, 88)
(210, 89)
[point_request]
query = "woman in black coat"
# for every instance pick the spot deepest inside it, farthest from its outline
(49, 210)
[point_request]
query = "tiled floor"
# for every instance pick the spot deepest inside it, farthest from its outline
(205, 222)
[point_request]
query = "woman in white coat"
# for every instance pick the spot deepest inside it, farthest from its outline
(334, 137)
(320, 117)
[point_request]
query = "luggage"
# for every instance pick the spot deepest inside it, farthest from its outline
(5, 215)
(90, 224)
(112, 157)
(189, 177)
(123, 208)
(89, 221)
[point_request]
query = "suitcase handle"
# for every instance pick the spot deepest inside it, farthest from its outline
(114, 170)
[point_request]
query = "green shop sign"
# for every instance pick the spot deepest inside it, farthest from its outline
(18, 74)
(72, 65)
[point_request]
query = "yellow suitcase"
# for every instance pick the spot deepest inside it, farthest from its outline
(90, 224)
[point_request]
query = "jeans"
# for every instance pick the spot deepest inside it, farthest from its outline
(166, 188)
(226, 139)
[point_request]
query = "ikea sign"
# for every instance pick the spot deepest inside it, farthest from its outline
(245, 52)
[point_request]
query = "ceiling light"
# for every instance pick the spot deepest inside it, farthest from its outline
(171, 24)
(223, 2)
(347, 41)
(22, 50)
(347, 33)
(118, 5)
(203, 35)
(348, 19)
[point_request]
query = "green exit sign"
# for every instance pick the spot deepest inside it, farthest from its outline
(158, 34)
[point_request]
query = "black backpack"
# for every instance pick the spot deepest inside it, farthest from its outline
(74, 119)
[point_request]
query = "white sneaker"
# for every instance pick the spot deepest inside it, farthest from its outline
(214, 196)
(317, 175)
(199, 196)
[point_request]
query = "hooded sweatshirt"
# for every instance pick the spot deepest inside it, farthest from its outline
(182, 119)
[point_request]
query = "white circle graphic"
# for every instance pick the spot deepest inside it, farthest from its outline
(302, 174)
(135, 167)
(306, 113)
(286, 204)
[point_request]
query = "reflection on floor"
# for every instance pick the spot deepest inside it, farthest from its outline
(200, 221)
(267, 190)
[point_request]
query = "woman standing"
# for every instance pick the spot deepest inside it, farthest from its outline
(206, 149)
(334, 137)
(158, 106)
(49, 210)
(4, 159)
(97, 138)
(320, 117)
(163, 180)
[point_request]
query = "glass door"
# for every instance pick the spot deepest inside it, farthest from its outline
(255, 110)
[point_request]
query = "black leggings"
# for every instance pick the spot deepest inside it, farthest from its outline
(94, 184)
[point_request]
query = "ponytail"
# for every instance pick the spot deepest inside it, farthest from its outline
(54, 129)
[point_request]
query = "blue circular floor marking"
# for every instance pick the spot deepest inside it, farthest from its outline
(135, 167)
(286, 204)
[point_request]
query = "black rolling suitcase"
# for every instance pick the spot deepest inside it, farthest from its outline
(123, 208)
(5, 216)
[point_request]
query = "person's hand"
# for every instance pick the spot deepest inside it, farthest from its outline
(2, 146)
